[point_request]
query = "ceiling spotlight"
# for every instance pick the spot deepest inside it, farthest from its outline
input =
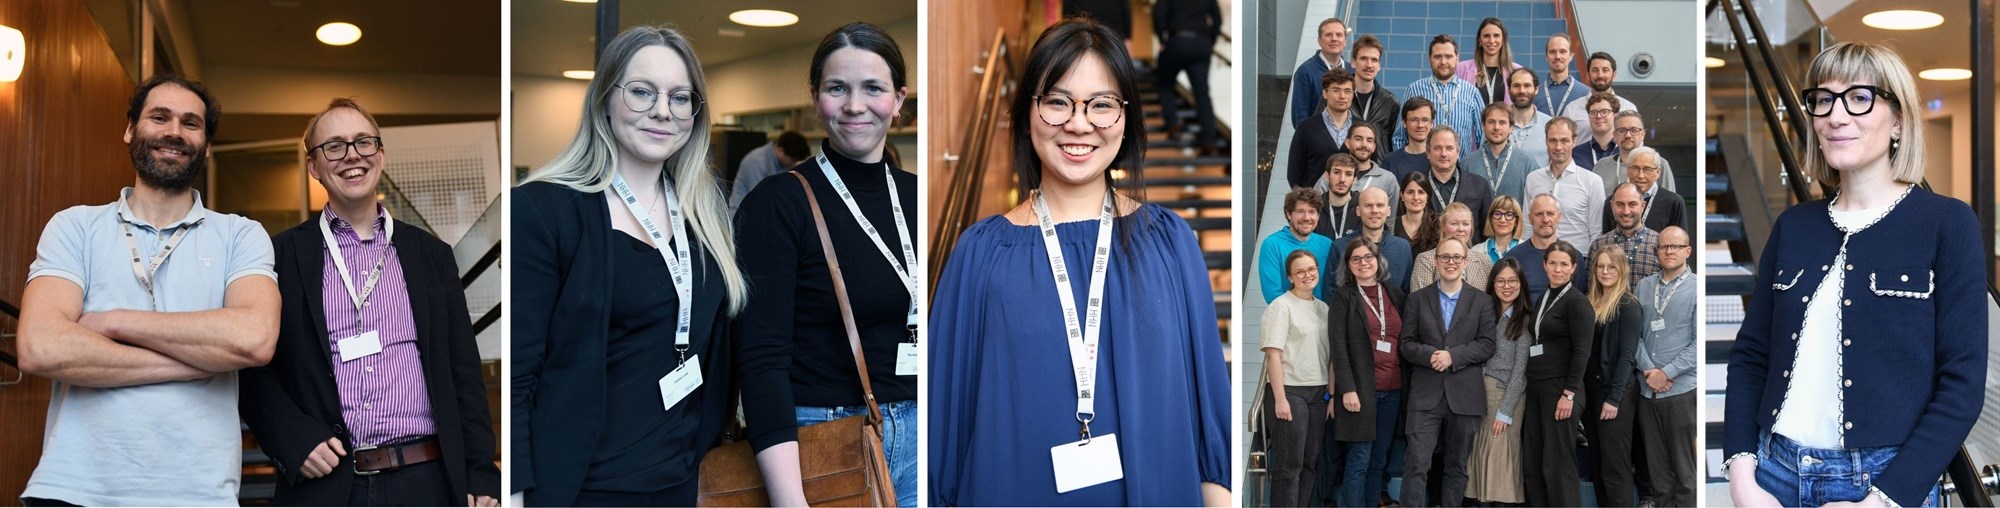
(583, 75)
(1712, 62)
(1945, 74)
(338, 34)
(1903, 20)
(764, 18)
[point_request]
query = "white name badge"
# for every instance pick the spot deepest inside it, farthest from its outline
(906, 359)
(360, 346)
(1535, 350)
(681, 382)
(1382, 345)
(1659, 324)
(1080, 465)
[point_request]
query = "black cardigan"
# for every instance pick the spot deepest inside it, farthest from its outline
(292, 404)
(1312, 145)
(1610, 368)
(1353, 356)
(1566, 334)
(560, 313)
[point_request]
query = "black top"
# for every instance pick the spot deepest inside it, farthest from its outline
(651, 447)
(1312, 144)
(1346, 217)
(293, 405)
(795, 352)
(1610, 369)
(1667, 210)
(1202, 17)
(1565, 338)
(561, 319)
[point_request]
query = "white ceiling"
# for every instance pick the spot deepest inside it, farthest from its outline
(551, 36)
(1946, 45)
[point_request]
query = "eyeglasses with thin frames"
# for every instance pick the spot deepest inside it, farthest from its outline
(1102, 111)
(642, 98)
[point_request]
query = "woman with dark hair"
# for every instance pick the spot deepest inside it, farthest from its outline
(1491, 63)
(1413, 221)
(1365, 326)
(1563, 328)
(1495, 472)
(798, 364)
(1893, 319)
(624, 280)
(1071, 365)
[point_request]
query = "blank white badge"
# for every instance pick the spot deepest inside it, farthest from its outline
(360, 346)
(1080, 465)
(1535, 350)
(906, 359)
(681, 382)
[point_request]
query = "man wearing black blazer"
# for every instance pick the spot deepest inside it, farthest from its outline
(374, 396)
(1447, 338)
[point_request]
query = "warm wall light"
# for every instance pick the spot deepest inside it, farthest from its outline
(764, 18)
(1903, 20)
(579, 74)
(1945, 74)
(1713, 62)
(13, 53)
(338, 34)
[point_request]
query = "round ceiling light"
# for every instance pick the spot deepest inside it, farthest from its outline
(338, 34)
(1903, 20)
(1945, 74)
(1712, 62)
(764, 18)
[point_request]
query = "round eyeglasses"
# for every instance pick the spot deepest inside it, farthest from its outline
(642, 98)
(1857, 99)
(1102, 111)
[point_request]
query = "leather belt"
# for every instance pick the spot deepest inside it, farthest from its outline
(379, 459)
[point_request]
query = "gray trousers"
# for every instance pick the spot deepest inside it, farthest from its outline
(1668, 427)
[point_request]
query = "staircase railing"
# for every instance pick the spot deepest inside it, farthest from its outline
(969, 166)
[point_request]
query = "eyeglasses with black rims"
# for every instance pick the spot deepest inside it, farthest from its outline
(1858, 99)
(365, 146)
(1102, 111)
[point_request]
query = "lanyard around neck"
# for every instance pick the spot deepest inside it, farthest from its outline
(1082, 337)
(679, 262)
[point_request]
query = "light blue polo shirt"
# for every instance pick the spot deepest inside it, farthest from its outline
(164, 444)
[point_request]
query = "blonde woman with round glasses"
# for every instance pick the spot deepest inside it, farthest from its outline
(1872, 297)
(1503, 229)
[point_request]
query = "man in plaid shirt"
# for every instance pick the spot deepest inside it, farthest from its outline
(1641, 245)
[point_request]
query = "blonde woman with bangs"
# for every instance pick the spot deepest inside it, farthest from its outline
(624, 282)
(1609, 377)
(1503, 229)
(1872, 298)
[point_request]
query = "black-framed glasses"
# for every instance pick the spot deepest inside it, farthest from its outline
(365, 146)
(642, 97)
(1674, 247)
(1450, 258)
(1502, 214)
(1858, 99)
(1102, 111)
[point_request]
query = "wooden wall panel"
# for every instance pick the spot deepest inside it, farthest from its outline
(60, 146)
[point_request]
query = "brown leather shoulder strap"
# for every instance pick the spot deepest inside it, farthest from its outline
(840, 295)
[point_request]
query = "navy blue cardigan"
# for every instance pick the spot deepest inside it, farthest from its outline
(1913, 326)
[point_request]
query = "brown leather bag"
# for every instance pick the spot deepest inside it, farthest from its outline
(841, 461)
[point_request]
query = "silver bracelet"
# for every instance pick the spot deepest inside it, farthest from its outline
(1886, 501)
(1726, 463)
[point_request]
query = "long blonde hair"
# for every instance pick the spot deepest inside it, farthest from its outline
(586, 165)
(1604, 299)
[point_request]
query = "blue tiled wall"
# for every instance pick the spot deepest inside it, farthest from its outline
(1406, 28)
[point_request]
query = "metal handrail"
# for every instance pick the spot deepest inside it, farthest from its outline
(969, 168)
(1788, 157)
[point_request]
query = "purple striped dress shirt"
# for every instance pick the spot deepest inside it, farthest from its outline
(383, 396)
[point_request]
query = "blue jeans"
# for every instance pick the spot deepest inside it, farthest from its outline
(1367, 461)
(899, 440)
(1802, 476)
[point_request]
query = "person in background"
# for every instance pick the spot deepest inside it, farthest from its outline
(1306, 85)
(1666, 360)
(1560, 89)
(1599, 109)
(1492, 61)
(1530, 124)
(1411, 156)
(1578, 192)
(1503, 230)
(1187, 30)
(1662, 208)
(1341, 213)
(1455, 222)
(1641, 245)
(1601, 71)
(1450, 185)
(1395, 251)
(1302, 208)
(1416, 223)
(1543, 214)
(788, 150)
(1325, 133)
(1628, 129)
(1374, 104)
(1501, 161)
(1455, 102)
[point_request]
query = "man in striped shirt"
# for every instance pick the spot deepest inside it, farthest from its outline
(374, 396)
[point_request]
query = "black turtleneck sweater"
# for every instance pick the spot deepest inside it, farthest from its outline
(1567, 331)
(792, 344)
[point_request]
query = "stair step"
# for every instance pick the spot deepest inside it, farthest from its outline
(1717, 350)
(1189, 161)
(1207, 223)
(1187, 180)
(1731, 279)
(1717, 184)
(1183, 204)
(1714, 436)
(1725, 227)
(1216, 260)
(1184, 113)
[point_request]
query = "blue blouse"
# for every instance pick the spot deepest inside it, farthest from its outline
(1001, 389)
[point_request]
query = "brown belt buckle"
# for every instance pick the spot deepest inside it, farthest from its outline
(357, 462)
